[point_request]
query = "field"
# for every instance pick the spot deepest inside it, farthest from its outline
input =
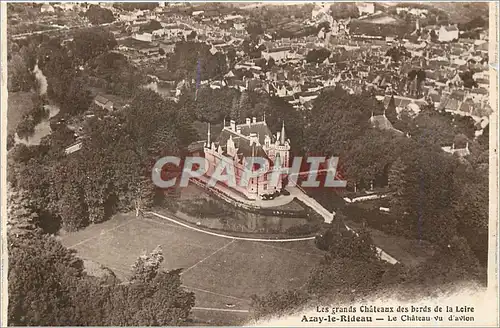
(219, 271)
(18, 104)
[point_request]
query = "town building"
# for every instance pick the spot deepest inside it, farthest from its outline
(147, 37)
(448, 33)
(73, 148)
(461, 152)
(367, 8)
(237, 144)
(47, 8)
(278, 54)
(103, 102)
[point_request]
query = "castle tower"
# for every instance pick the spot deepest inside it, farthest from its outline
(208, 136)
(283, 133)
(283, 147)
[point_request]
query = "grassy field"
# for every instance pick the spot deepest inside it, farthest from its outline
(218, 270)
(410, 252)
(18, 104)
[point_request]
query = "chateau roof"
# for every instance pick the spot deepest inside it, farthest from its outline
(241, 143)
(259, 128)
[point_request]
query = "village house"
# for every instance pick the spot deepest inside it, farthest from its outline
(128, 17)
(278, 54)
(146, 37)
(47, 8)
(461, 152)
(65, 5)
(73, 148)
(168, 47)
(448, 33)
(410, 105)
(103, 103)
(420, 12)
(365, 8)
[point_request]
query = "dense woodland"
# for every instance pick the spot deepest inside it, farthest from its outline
(436, 197)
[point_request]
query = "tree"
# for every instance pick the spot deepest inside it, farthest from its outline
(344, 279)
(420, 78)
(395, 178)
(337, 119)
(344, 10)
(191, 36)
(78, 97)
(154, 297)
(343, 243)
(317, 55)
(270, 63)
(471, 209)
(90, 43)
(358, 160)
(254, 28)
(41, 275)
(98, 15)
(48, 286)
(20, 78)
(147, 267)
(278, 303)
(433, 129)
(468, 80)
(151, 26)
(26, 128)
(452, 263)
(434, 36)
(426, 195)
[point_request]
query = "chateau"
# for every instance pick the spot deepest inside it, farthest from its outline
(239, 142)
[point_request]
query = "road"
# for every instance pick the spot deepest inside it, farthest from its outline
(328, 216)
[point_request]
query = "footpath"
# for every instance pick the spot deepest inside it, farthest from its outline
(328, 216)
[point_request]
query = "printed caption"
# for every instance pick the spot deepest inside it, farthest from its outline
(407, 313)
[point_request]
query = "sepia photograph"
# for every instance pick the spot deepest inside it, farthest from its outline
(249, 163)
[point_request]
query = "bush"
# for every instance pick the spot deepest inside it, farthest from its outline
(11, 141)
(303, 229)
(26, 127)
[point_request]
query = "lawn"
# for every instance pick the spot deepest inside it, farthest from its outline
(218, 270)
(410, 252)
(18, 104)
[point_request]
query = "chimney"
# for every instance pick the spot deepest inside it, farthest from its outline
(233, 125)
(247, 121)
(254, 139)
(254, 120)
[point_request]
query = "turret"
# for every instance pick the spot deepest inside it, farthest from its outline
(208, 135)
(282, 135)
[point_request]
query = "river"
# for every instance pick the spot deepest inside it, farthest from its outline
(43, 128)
